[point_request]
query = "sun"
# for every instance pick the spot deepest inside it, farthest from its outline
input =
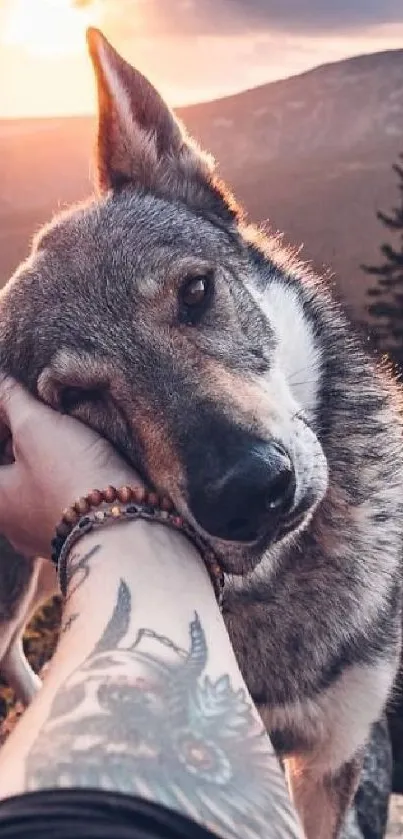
(47, 28)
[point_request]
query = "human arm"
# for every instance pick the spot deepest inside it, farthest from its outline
(143, 695)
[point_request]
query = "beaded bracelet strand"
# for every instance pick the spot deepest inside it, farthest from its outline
(96, 498)
(127, 503)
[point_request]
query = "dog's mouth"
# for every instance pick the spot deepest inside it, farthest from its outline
(243, 527)
(250, 538)
(241, 556)
(241, 521)
(295, 521)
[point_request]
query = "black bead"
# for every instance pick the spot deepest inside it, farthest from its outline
(132, 509)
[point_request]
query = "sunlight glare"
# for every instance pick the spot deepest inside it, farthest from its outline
(47, 28)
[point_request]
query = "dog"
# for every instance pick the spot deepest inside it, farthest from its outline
(221, 368)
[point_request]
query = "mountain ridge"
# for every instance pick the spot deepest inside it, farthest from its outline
(312, 153)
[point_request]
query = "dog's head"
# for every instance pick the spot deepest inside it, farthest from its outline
(136, 313)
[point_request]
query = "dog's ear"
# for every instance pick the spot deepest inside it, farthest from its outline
(140, 141)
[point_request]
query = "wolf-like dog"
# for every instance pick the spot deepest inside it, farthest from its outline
(225, 374)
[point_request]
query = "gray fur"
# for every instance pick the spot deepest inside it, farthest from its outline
(315, 616)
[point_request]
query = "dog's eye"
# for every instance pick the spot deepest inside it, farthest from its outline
(73, 397)
(194, 291)
(194, 296)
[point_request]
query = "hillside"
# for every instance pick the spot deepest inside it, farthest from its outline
(312, 154)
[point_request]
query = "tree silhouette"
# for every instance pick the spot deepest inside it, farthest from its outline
(386, 296)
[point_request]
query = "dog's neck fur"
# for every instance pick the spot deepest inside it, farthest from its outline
(355, 411)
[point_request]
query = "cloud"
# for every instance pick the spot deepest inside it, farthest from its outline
(193, 50)
(240, 17)
(200, 49)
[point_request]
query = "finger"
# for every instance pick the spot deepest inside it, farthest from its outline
(4, 424)
(7, 451)
(5, 440)
(19, 410)
(14, 400)
(5, 433)
(9, 487)
(17, 415)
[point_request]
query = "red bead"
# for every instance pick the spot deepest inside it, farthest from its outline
(110, 494)
(153, 499)
(95, 497)
(70, 516)
(125, 494)
(82, 506)
(138, 494)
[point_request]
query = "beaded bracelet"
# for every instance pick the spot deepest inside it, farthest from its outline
(125, 504)
(98, 497)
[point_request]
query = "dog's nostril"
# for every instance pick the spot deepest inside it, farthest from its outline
(240, 528)
(281, 489)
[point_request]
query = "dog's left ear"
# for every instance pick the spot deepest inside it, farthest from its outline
(140, 142)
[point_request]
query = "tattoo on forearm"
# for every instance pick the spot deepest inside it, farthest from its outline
(142, 717)
(68, 623)
(77, 570)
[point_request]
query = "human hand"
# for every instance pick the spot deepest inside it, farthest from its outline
(55, 460)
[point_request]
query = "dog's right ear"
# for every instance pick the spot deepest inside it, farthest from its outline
(140, 142)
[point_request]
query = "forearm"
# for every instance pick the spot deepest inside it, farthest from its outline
(144, 696)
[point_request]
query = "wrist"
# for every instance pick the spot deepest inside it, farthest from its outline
(116, 505)
(158, 568)
(84, 496)
(157, 563)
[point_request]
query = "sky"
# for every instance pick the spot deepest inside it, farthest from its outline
(193, 50)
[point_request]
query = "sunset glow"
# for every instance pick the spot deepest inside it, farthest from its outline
(46, 27)
(189, 51)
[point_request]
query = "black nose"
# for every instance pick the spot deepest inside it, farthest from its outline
(252, 497)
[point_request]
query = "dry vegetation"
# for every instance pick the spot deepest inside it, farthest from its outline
(40, 641)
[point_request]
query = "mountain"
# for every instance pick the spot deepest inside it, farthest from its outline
(312, 154)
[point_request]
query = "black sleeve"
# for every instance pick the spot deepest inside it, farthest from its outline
(92, 814)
